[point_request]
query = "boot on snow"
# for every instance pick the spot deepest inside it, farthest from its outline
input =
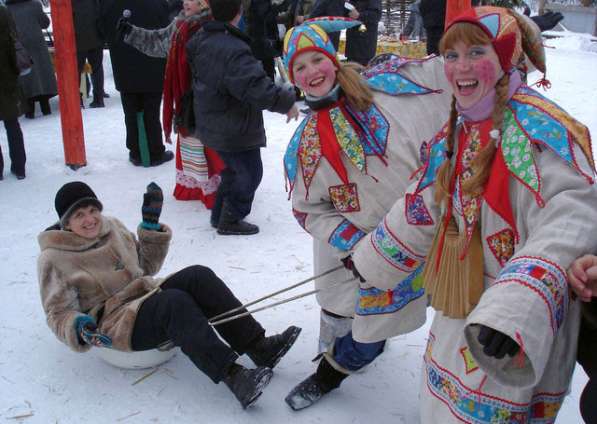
(268, 351)
(231, 225)
(247, 384)
(309, 391)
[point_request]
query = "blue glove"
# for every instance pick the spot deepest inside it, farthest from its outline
(87, 332)
(152, 207)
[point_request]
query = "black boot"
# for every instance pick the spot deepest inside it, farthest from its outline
(588, 409)
(268, 351)
(97, 102)
(309, 391)
(230, 225)
(247, 385)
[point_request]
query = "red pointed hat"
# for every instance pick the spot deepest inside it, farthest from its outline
(499, 25)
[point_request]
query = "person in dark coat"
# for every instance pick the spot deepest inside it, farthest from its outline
(262, 28)
(90, 45)
(138, 77)
(361, 41)
(329, 8)
(10, 97)
(230, 91)
(433, 13)
(39, 84)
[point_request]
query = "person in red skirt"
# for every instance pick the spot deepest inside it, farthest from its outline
(198, 167)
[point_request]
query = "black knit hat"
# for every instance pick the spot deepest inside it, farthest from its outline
(72, 196)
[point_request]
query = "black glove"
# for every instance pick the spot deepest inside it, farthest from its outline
(496, 344)
(88, 334)
(548, 20)
(349, 265)
(152, 207)
(123, 27)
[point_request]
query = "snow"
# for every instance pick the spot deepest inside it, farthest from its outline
(42, 381)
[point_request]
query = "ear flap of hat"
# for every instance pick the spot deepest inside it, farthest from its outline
(504, 48)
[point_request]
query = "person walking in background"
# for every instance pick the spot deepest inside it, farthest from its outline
(230, 91)
(90, 45)
(330, 8)
(198, 167)
(139, 78)
(10, 97)
(361, 41)
(39, 85)
(262, 28)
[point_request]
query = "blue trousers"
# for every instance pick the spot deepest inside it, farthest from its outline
(240, 180)
(354, 355)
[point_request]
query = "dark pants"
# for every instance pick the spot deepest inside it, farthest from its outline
(354, 355)
(240, 180)
(587, 358)
(180, 312)
(149, 104)
(44, 105)
(16, 147)
(95, 58)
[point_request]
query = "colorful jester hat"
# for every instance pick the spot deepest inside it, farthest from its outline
(506, 34)
(312, 35)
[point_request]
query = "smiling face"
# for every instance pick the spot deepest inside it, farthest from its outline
(192, 7)
(314, 73)
(85, 222)
(472, 70)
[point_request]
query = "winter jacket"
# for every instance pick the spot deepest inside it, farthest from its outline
(231, 89)
(10, 99)
(30, 20)
(107, 278)
(263, 28)
(86, 15)
(361, 45)
(134, 72)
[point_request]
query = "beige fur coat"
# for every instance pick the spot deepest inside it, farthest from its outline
(112, 272)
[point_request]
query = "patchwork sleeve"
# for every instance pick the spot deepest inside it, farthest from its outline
(315, 212)
(151, 42)
(60, 303)
(396, 249)
(529, 300)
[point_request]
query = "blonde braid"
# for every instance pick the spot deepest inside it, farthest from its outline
(482, 163)
(444, 175)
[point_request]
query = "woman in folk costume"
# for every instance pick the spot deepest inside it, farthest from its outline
(347, 163)
(198, 168)
(503, 205)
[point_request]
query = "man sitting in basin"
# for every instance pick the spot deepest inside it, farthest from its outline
(97, 289)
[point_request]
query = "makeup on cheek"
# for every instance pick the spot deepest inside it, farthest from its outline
(486, 72)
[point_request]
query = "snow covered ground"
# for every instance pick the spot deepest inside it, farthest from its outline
(42, 381)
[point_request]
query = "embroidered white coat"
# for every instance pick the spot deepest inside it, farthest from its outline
(412, 120)
(526, 293)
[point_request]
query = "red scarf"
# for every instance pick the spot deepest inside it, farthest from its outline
(177, 78)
